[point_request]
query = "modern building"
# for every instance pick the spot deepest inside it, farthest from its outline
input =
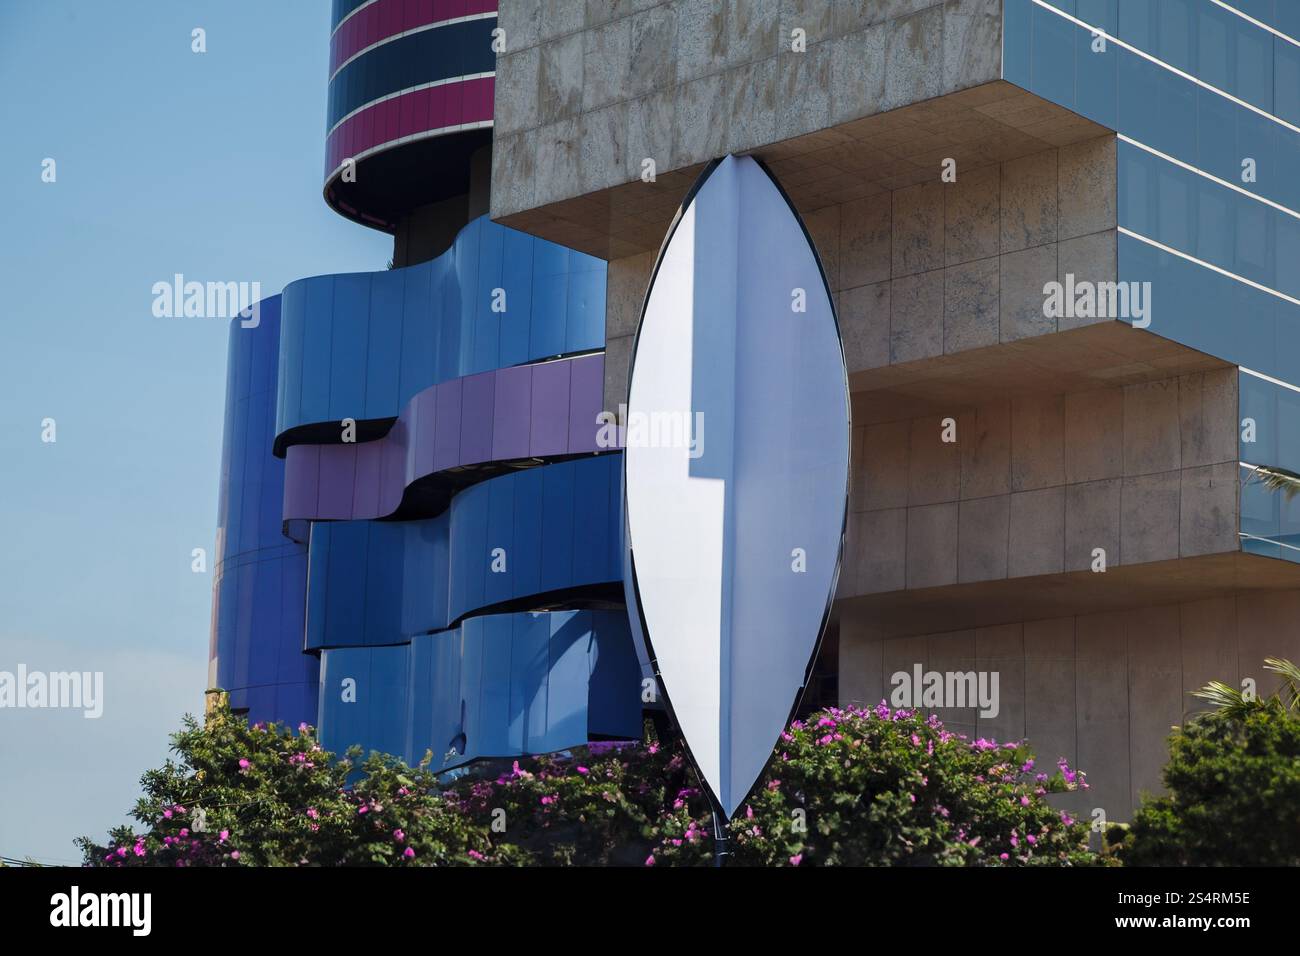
(1062, 236)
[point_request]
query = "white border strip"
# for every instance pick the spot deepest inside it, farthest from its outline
(1259, 23)
(410, 89)
(411, 32)
(409, 138)
(351, 13)
(1256, 537)
(1208, 265)
(1098, 31)
(1210, 176)
(1268, 378)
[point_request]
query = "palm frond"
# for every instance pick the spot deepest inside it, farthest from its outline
(1225, 699)
(1290, 674)
(1278, 479)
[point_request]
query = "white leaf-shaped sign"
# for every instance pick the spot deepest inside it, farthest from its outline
(737, 465)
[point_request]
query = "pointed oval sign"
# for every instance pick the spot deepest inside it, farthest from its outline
(736, 457)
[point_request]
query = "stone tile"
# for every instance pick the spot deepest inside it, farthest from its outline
(881, 558)
(1207, 412)
(1049, 711)
(1101, 637)
(515, 106)
(1209, 647)
(560, 84)
(514, 171)
(853, 15)
(885, 464)
(803, 91)
(1151, 427)
(649, 133)
(605, 73)
(1155, 692)
(1003, 642)
(933, 466)
(861, 665)
(971, 215)
(972, 43)
(914, 59)
(559, 161)
(653, 45)
(1092, 520)
(1029, 201)
(1023, 276)
(602, 11)
(604, 147)
(857, 73)
(752, 104)
(1009, 722)
(932, 545)
(1149, 524)
(1094, 435)
(1050, 640)
(916, 317)
(1037, 532)
(866, 240)
(971, 305)
(618, 362)
(816, 18)
(902, 654)
(521, 21)
(625, 289)
(982, 539)
(918, 244)
(1266, 628)
(824, 228)
(857, 469)
(1087, 187)
(701, 38)
(1102, 733)
(699, 133)
(1208, 510)
(1090, 259)
(864, 326)
(984, 437)
(752, 30)
(1037, 442)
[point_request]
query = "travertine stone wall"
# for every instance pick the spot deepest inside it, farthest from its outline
(938, 268)
(585, 93)
(1101, 690)
(1032, 485)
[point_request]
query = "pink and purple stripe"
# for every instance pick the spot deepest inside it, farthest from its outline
(385, 19)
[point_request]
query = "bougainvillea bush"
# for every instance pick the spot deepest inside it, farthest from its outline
(848, 787)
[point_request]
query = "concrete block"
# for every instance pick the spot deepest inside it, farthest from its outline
(650, 133)
(1094, 435)
(516, 106)
(1149, 524)
(559, 161)
(652, 48)
(914, 58)
(1037, 532)
(885, 464)
(1037, 442)
(916, 317)
(514, 171)
(815, 17)
(1029, 201)
(1092, 520)
(1266, 627)
(1023, 276)
(560, 82)
(752, 104)
(972, 43)
(861, 665)
(1208, 509)
(1087, 187)
(984, 437)
(971, 215)
(866, 240)
(1209, 647)
(1155, 692)
(752, 30)
(625, 285)
(918, 244)
(933, 466)
(932, 545)
(864, 326)
(604, 147)
(853, 15)
(1049, 712)
(1050, 640)
(699, 132)
(1090, 258)
(971, 305)
(607, 52)
(1102, 733)
(982, 539)
(824, 227)
(1151, 427)
(1207, 411)
(803, 91)
(701, 38)
(618, 363)
(1009, 723)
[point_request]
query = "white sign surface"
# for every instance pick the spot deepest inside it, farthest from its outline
(737, 461)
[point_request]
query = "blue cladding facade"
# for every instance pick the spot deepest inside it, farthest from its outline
(260, 574)
(361, 345)
(1207, 107)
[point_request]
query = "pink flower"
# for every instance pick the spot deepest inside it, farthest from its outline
(243, 763)
(138, 849)
(398, 835)
(749, 812)
(1024, 801)
(313, 813)
(234, 854)
(654, 748)
(476, 855)
(650, 860)
(1031, 838)
(1003, 856)
(363, 809)
(1067, 819)
(223, 836)
(583, 770)
(167, 814)
(796, 859)
(185, 831)
(409, 853)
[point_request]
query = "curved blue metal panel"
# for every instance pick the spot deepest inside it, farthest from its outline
(259, 575)
(538, 531)
(360, 346)
(497, 686)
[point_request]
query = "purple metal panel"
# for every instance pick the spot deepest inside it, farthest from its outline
(338, 469)
(476, 418)
(365, 492)
(586, 388)
(423, 417)
(510, 418)
(446, 429)
(301, 479)
(550, 410)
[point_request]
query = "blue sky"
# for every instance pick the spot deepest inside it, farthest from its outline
(167, 161)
